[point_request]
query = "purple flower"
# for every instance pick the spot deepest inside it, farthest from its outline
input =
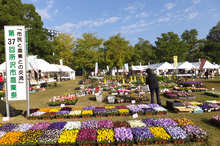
(162, 122)
(123, 134)
(149, 122)
(40, 126)
(99, 111)
(137, 110)
(194, 131)
(64, 113)
(89, 124)
(57, 125)
(176, 132)
(88, 108)
(152, 105)
(86, 135)
(7, 127)
(105, 124)
(142, 134)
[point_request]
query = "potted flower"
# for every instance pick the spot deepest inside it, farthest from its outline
(195, 133)
(68, 138)
(117, 124)
(123, 136)
(105, 136)
(182, 121)
(137, 110)
(111, 112)
(57, 125)
(75, 114)
(123, 112)
(86, 137)
(48, 116)
(40, 126)
(136, 123)
(36, 115)
(11, 138)
(177, 134)
(73, 125)
(105, 124)
(161, 136)
(49, 137)
(30, 137)
(87, 113)
(99, 112)
(89, 124)
(62, 114)
(142, 135)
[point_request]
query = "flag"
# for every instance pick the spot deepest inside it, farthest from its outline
(61, 63)
(33, 62)
(83, 69)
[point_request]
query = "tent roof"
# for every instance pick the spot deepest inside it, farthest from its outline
(139, 67)
(184, 65)
(161, 66)
(65, 68)
(207, 65)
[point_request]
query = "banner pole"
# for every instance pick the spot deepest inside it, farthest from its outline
(28, 76)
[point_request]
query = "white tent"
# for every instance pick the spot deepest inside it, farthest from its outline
(161, 66)
(139, 68)
(207, 65)
(184, 65)
(68, 72)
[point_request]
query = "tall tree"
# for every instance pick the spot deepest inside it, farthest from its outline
(14, 12)
(169, 45)
(117, 51)
(64, 48)
(88, 51)
(143, 52)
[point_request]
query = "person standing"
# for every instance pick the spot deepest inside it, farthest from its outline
(151, 80)
(207, 74)
(1, 82)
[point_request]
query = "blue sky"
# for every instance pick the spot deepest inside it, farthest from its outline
(133, 19)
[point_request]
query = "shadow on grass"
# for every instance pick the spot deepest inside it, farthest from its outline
(211, 81)
(207, 121)
(92, 98)
(3, 107)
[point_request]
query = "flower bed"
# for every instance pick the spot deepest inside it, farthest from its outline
(86, 136)
(88, 108)
(136, 123)
(87, 113)
(30, 137)
(123, 112)
(77, 108)
(23, 127)
(100, 111)
(160, 135)
(105, 136)
(40, 126)
(123, 135)
(75, 113)
(163, 122)
(49, 137)
(65, 99)
(63, 113)
(57, 125)
(178, 135)
(112, 111)
(73, 125)
(105, 124)
(7, 127)
(182, 121)
(137, 110)
(142, 135)
(11, 138)
(213, 93)
(120, 124)
(89, 124)
(49, 115)
(68, 137)
(195, 132)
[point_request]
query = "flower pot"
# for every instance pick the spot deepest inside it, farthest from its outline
(124, 114)
(47, 145)
(98, 115)
(76, 117)
(148, 114)
(60, 117)
(111, 115)
(47, 118)
(85, 116)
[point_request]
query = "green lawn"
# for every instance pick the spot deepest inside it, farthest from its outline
(41, 99)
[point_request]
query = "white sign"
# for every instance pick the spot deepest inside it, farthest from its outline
(16, 66)
(133, 101)
(33, 62)
(135, 115)
(213, 89)
(126, 67)
(62, 105)
(193, 85)
(5, 119)
(61, 64)
(96, 67)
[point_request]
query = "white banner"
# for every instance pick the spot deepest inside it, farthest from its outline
(126, 67)
(16, 66)
(107, 68)
(33, 62)
(96, 67)
(61, 64)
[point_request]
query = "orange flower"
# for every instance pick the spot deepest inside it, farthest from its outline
(11, 138)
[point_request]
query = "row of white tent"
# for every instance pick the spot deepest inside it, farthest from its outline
(180, 65)
(47, 68)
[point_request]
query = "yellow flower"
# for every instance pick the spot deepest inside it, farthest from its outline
(68, 136)
(121, 111)
(107, 107)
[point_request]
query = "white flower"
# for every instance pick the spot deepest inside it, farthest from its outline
(72, 125)
(159, 109)
(136, 123)
(75, 113)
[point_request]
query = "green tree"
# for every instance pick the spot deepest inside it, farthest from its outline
(169, 45)
(190, 38)
(117, 51)
(64, 48)
(143, 52)
(14, 12)
(88, 51)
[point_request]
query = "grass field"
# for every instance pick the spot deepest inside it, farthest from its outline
(41, 99)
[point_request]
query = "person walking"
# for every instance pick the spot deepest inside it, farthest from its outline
(1, 82)
(151, 80)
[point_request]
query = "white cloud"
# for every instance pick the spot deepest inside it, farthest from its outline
(133, 31)
(102, 21)
(164, 19)
(44, 12)
(142, 15)
(126, 19)
(195, 1)
(138, 24)
(192, 15)
(104, 13)
(67, 7)
(169, 5)
(188, 9)
(211, 10)
(132, 7)
(55, 12)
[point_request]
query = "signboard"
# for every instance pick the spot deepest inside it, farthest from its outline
(174, 61)
(33, 62)
(126, 67)
(61, 64)
(5, 119)
(202, 64)
(107, 68)
(16, 67)
(135, 115)
(96, 67)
